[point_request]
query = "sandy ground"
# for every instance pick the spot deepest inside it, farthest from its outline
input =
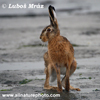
(21, 56)
(86, 77)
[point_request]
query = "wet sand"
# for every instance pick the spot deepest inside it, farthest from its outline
(21, 56)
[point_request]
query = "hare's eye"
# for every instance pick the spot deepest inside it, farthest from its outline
(48, 29)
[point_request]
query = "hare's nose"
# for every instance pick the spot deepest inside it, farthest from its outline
(40, 37)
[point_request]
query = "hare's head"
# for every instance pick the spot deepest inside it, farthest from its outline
(51, 30)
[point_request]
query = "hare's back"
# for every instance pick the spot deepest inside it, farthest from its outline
(60, 50)
(68, 45)
(64, 44)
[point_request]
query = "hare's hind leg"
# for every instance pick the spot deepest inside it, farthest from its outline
(72, 69)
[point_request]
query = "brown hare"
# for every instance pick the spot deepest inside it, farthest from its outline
(60, 56)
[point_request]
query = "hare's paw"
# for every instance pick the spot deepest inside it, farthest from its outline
(47, 87)
(59, 90)
(72, 88)
(50, 87)
(54, 88)
(77, 89)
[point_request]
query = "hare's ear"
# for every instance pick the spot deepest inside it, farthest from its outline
(52, 15)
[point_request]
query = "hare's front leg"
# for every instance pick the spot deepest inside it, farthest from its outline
(57, 69)
(47, 72)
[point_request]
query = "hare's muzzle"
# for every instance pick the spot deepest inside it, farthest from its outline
(43, 38)
(40, 37)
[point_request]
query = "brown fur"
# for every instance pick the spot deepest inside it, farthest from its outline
(60, 54)
(49, 71)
